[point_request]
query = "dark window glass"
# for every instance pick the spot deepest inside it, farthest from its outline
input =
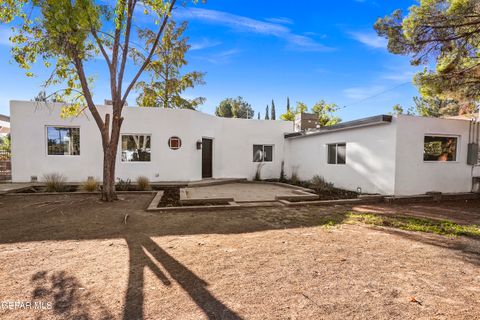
(268, 153)
(341, 153)
(136, 148)
(332, 153)
(440, 148)
(63, 141)
(262, 153)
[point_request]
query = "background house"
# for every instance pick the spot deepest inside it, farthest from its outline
(4, 125)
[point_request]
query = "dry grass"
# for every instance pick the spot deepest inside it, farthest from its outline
(305, 263)
(143, 183)
(55, 182)
(90, 185)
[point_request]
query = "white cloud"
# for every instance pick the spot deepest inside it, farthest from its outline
(399, 76)
(370, 39)
(281, 20)
(204, 44)
(245, 24)
(358, 93)
(221, 57)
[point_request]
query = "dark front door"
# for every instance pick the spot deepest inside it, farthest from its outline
(207, 151)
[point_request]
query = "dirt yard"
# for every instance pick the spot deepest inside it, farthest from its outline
(78, 259)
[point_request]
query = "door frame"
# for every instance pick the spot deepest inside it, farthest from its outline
(212, 158)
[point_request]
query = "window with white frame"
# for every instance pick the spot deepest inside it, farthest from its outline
(337, 153)
(440, 148)
(262, 153)
(63, 141)
(136, 148)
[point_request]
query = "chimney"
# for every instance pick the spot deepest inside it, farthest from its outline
(109, 102)
(306, 121)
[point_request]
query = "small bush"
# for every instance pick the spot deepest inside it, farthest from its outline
(258, 172)
(90, 185)
(143, 183)
(282, 173)
(124, 185)
(320, 185)
(294, 178)
(55, 182)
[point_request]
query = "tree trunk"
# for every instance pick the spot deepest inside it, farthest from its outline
(108, 190)
(109, 160)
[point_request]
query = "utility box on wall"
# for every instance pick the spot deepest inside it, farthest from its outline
(472, 155)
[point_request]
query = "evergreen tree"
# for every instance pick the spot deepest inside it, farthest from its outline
(273, 117)
(259, 116)
(266, 114)
(288, 104)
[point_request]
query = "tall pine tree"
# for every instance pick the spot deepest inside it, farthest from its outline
(259, 116)
(273, 110)
(266, 114)
(288, 104)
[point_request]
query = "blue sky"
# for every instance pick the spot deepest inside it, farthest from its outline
(264, 50)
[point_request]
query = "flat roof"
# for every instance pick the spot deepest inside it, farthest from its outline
(370, 121)
(4, 118)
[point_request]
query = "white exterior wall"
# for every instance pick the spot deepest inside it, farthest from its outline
(370, 162)
(233, 141)
(415, 176)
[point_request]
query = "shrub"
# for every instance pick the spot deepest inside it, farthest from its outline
(90, 185)
(55, 182)
(294, 178)
(258, 172)
(282, 173)
(320, 185)
(124, 185)
(143, 183)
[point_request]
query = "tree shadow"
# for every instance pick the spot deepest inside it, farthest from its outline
(191, 283)
(62, 294)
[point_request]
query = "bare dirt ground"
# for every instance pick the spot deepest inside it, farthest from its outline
(77, 254)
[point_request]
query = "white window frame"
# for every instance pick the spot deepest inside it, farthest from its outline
(263, 151)
(63, 127)
(457, 149)
(135, 134)
(336, 144)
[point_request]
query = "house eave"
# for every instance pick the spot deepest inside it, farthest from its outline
(360, 123)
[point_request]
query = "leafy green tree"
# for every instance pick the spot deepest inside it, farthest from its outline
(167, 83)
(6, 143)
(435, 107)
(301, 107)
(326, 113)
(273, 117)
(235, 108)
(65, 35)
(267, 117)
(288, 115)
(398, 109)
(444, 33)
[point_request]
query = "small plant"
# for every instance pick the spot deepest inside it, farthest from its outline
(143, 183)
(124, 185)
(258, 172)
(294, 178)
(55, 182)
(320, 185)
(90, 185)
(282, 172)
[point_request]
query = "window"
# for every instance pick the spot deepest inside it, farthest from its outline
(337, 153)
(63, 141)
(175, 143)
(136, 148)
(262, 153)
(438, 148)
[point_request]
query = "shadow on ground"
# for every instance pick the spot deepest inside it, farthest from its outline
(86, 218)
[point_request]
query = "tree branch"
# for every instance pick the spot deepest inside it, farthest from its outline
(150, 55)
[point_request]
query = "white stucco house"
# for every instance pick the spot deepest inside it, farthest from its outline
(390, 155)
